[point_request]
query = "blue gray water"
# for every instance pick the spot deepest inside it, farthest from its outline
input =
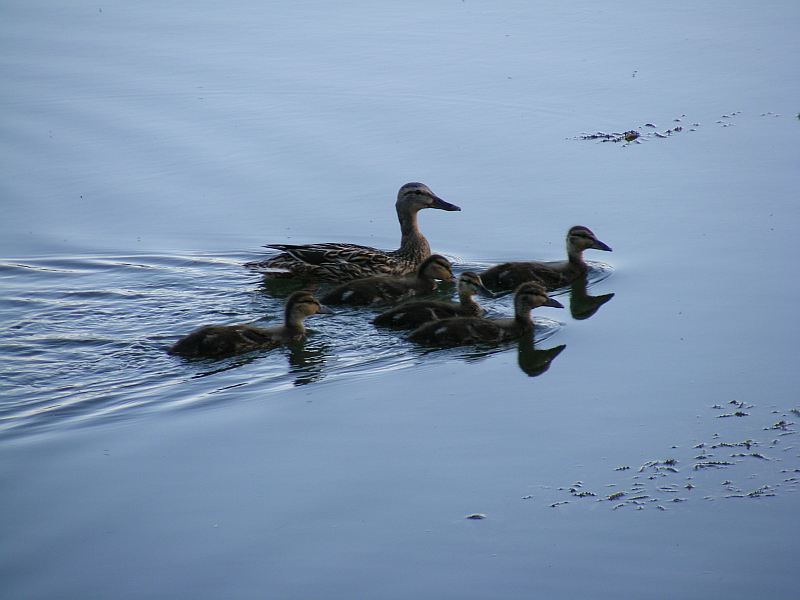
(149, 150)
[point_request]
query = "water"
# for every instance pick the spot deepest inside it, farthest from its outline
(149, 150)
(86, 336)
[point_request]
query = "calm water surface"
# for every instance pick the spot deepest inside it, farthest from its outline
(644, 446)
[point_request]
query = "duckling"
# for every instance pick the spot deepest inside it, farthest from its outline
(460, 331)
(410, 315)
(345, 262)
(508, 276)
(374, 290)
(223, 340)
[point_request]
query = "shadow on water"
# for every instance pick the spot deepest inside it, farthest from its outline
(307, 360)
(534, 362)
(581, 304)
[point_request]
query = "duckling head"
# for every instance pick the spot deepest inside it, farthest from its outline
(436, 266)
(580, 238)
(414, 196)
(470, 283)
(303, 304)
(532, 295)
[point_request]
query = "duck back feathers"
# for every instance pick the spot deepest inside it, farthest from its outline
(345, 262)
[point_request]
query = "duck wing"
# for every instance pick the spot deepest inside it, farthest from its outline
(372, 290)
(508, 276)
(458, 331)
(322, 254)
(221, 340)
(413, 314)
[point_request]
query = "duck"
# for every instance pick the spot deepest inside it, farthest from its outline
(379, 290)
(345, 262)
(412, 314)
(214, 341)
(552, 275)
(463, 331)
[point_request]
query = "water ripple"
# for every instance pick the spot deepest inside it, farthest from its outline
(85, 337)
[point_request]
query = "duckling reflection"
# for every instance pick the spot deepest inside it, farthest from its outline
(534, 362)
(216, 341)
(344, 262)
(581, 304)
(306, 361)
(508, 276)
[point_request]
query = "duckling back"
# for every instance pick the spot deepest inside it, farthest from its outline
(222, 340)
(413, 314)
(508, 276)
(459, 331)
(370, 290)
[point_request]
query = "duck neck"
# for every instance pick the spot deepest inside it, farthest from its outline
(465, 297)
(575, 258)
(294, 322)
(412, 242)
(523, 320)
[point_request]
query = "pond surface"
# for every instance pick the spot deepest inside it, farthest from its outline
(645, 445)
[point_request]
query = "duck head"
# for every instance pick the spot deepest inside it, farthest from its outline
(580, 238)
(414, 196)
(532, 295)
(436, 266)
(303, 304)
(469, 284)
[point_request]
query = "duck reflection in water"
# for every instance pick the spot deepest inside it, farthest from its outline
(531, 360)
(307, 361)
(581, 304)
(534, 362)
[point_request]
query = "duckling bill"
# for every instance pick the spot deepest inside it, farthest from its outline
(345, 262)
(508, 276)
(216, 341)
(377, 290)
(461, 331)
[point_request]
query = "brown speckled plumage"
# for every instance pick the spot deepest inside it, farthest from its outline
(461, 331)
(214, 341)
(345, 262)
(552, 275)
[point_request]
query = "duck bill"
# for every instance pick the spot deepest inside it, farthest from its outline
(598, 245)
(553, 302)
(443, 204)
(324, 310)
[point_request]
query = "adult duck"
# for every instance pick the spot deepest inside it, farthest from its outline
(381, 290)
(508, 276)
(412, 314)
(344, 262)
(214, 341)
(461, 331)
